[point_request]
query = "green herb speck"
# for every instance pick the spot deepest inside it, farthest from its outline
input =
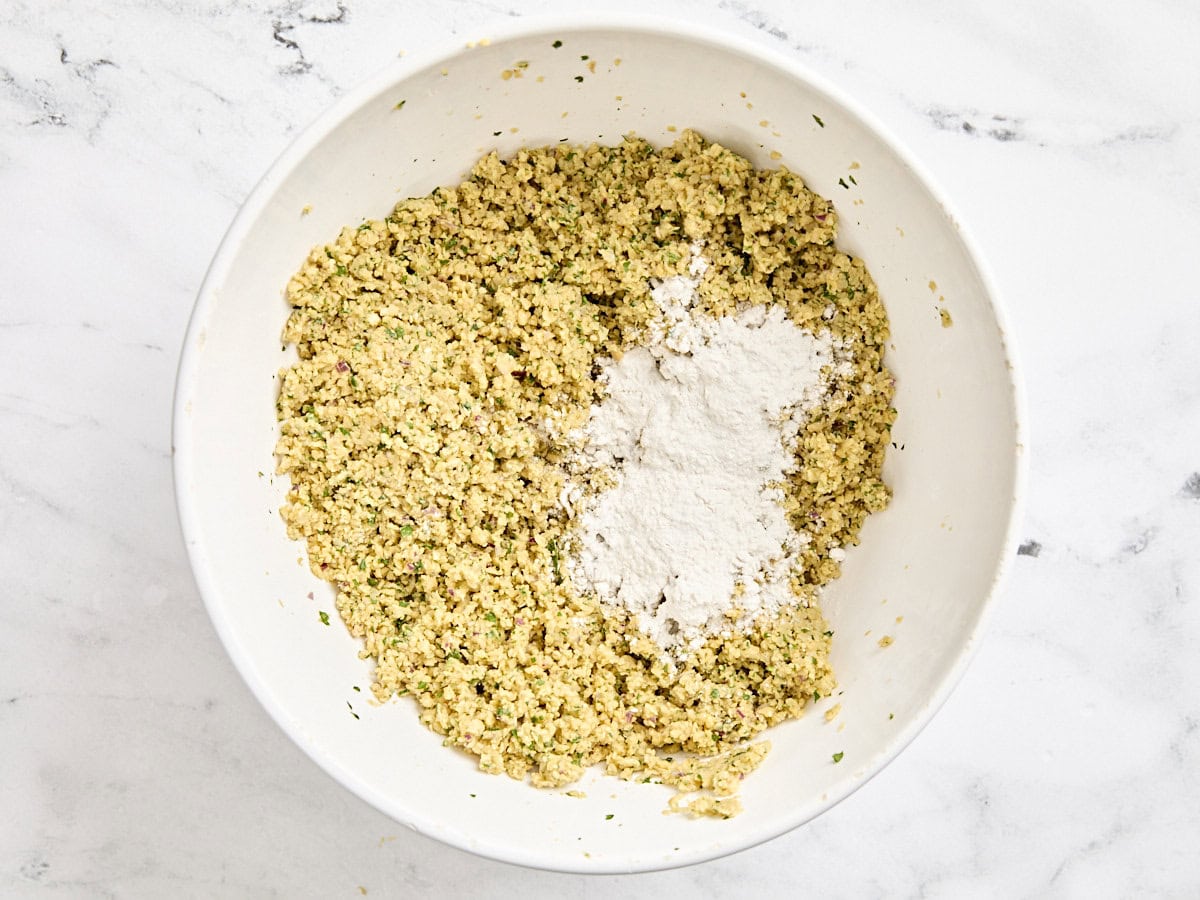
(837, 757)
(817, 119)
(324, 617)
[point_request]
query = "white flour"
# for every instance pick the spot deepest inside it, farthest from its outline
(700, 429)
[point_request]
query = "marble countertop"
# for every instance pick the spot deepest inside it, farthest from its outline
(135, 762)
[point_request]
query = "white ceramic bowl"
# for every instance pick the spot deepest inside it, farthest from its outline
(934, 558)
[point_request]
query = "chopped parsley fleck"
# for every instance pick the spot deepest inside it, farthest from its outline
(324, 617)
(837, 757)
(400, 105)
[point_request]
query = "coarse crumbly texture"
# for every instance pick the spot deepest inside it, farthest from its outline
(447, 351)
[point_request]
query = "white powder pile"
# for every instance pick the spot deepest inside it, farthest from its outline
(699, 428)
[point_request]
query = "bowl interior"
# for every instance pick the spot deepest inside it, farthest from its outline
(922, 574)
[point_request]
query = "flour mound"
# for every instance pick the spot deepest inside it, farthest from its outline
(699, 430)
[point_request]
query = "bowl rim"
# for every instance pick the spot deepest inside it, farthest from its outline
(218, 270)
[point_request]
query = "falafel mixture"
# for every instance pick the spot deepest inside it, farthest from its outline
(445, 353)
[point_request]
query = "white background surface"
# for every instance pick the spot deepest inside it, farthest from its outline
(133, 762)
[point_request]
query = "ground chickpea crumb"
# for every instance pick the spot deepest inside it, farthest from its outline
(444, 354)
